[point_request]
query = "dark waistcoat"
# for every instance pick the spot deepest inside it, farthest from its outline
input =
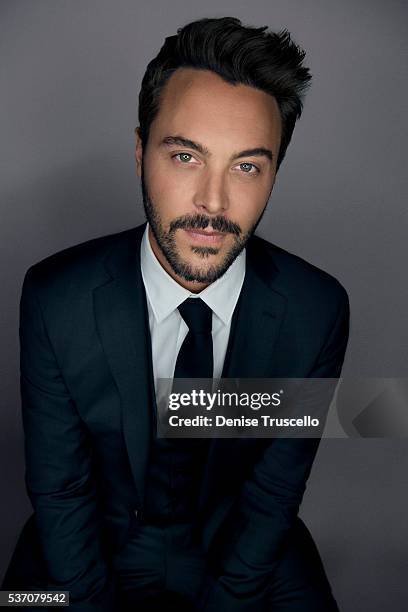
(174, 472)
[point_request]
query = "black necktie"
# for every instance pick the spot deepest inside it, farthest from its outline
(195, 358)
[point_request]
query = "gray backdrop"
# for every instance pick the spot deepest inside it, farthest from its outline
(70, 75)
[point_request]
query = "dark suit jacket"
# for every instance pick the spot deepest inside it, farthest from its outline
(85, 374)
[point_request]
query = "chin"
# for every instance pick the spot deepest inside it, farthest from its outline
(195, 272)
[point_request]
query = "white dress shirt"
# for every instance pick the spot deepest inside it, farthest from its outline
(167, 327)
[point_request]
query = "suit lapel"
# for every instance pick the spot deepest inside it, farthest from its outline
(122, 323)
(254, 331)
(256, 322)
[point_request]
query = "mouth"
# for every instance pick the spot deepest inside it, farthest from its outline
(205, 236)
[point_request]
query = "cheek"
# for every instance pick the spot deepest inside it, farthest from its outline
(168, 192)
(247, 202)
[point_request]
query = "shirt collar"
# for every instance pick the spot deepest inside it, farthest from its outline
(221, 295)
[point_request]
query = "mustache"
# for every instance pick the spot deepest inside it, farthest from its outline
(218, 224)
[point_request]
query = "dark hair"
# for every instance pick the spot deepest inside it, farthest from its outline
(269, 61)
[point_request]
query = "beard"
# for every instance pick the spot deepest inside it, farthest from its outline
(167, 242)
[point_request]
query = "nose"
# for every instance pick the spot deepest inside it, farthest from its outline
(211, 193)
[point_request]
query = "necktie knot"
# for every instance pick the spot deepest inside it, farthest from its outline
(197, 315)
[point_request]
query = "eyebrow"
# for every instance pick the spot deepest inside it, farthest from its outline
(196, 146)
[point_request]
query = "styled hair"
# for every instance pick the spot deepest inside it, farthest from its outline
(269, 61)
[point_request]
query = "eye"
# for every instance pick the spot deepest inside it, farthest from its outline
(183, 157)
(248, 168)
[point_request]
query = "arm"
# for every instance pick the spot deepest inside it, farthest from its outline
(59, 469)
(259, 522)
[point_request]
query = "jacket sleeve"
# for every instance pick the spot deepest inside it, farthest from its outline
(59, 476)
(259, 522)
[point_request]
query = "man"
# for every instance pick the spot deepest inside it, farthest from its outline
(125, 520)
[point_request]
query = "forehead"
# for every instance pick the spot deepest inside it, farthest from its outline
(200, 104)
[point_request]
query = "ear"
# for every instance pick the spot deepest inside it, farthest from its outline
(138, 152)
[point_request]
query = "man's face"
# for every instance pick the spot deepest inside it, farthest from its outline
(207, 172)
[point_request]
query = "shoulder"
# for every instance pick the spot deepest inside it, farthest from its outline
(298, 281)
(80, 265)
